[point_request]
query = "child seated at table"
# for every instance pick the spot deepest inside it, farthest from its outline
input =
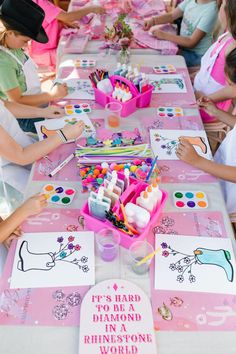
(55, 19)
(10, 227)
(17, 149)
(210, 80)
(224, 164)
(19, 81)
(195, 37)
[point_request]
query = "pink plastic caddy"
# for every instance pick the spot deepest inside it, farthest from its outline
(139, 100)
(129, 195)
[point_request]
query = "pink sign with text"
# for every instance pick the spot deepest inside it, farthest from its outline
(116, 317)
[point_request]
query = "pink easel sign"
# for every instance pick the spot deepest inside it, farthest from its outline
(116, 317)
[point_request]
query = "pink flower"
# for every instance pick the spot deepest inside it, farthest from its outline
(77, 247)
(165, 253)
(72, 228)
(71, 238)
(124, 42)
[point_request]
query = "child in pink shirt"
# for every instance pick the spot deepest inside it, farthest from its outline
(210, 81)
(53, 22)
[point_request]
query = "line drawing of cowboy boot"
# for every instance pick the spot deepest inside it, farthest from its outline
(196, 141)
(34, 261)
(46, 132)
(220, 258)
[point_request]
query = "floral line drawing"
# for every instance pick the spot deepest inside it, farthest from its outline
(201, 256)
(46, 261)
(170, 145)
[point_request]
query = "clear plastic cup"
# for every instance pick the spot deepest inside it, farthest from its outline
(112, 115)
(108, 241)
(137, 251)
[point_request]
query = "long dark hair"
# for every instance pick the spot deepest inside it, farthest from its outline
(230, 66)
(230, 12)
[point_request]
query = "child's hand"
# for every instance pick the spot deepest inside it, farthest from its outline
(33, 205)
(98, 10)
(59, 91)
(53, 112)
(16, 234)
(187, 153)
(127, 7)
(148, 24)
(71, 24)
(73, 131)
(156, 32)
(203, 100)
(208, 106)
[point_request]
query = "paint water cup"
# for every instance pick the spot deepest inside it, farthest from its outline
(112, 115)
(137, 251)
(108, 241)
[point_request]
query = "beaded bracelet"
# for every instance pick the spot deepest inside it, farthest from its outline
(62, 136)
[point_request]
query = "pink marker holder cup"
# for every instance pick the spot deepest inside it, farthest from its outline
(139, 100)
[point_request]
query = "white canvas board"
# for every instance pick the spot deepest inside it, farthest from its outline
(79, 89)
(165, 142)
(54, 259)
(196, 264)
(48, 127)
(167, 83)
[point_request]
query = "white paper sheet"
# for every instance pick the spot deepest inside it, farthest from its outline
(165, 142)
(199, 264)
(47, 127)
(167, 83)
(54, 259)
(79, 89)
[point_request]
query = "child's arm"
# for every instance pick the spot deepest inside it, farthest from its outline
(187, 42)
(57, 92)
(32, 206)
(187, 153)
(212, 110)
(69, 17)
(226, 93)
(166, 18)
(12, 151)
(24, 111)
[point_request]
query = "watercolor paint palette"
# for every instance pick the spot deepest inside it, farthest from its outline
(164, 69)
(170, 112)
(77, 108)
(190, 200)
(57, 194)
(85, 63)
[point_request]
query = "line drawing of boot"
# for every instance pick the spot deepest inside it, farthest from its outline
(196, 141)
(220, 258)
(46, 132)
(34, 261)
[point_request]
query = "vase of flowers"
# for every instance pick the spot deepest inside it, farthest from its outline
(119, 37)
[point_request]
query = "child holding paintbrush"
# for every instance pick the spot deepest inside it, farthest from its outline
(224, 166)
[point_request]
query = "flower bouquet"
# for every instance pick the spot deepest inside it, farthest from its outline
(119, 37)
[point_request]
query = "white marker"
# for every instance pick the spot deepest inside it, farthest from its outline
(59, 167)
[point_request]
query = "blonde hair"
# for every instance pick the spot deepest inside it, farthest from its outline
(4, 27)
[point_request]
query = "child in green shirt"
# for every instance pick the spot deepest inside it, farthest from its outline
(19, 82)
